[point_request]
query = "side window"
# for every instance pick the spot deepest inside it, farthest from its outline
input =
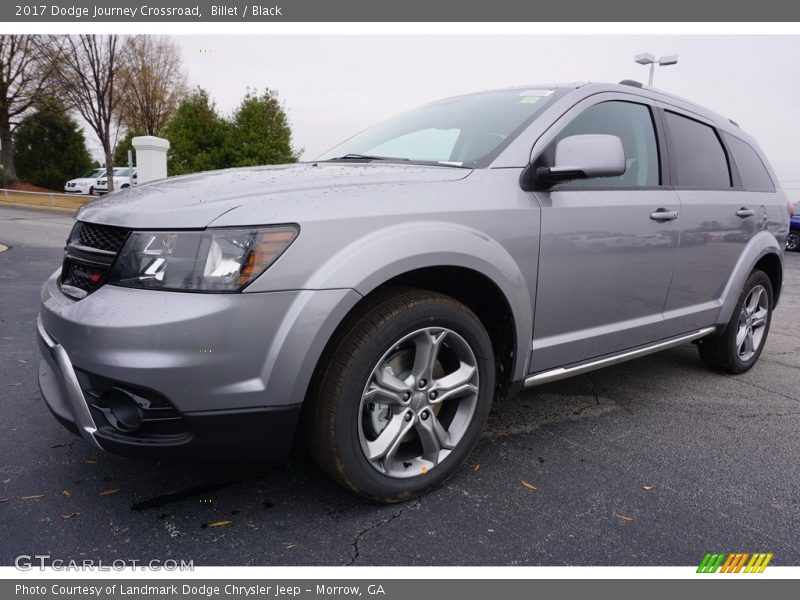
(633, 124)
(755, 177)
(697, 154)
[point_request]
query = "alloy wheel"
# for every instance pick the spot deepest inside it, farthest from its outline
(418, 402)
(752, 323)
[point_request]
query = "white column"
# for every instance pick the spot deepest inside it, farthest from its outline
(151, 158)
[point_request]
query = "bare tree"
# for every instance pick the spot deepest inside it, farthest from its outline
(24, 70)
(154, 83)
(88, 74)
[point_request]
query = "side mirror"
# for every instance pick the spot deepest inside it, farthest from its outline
(584, 157)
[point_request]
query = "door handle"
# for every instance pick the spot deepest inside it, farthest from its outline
(745, 212)
(662, 214)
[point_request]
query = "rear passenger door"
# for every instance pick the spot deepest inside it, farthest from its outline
(717, 220)
(608, 245)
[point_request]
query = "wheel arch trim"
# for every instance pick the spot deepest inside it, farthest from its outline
(369, 262)
(761, 244)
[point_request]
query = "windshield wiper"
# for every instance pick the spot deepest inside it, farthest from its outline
(365, 157)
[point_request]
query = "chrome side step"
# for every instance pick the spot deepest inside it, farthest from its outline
(607, 361)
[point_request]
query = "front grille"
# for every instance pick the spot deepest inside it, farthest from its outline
(101, 237)
(90, 254)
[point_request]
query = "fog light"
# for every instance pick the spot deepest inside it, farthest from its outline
(121, 410)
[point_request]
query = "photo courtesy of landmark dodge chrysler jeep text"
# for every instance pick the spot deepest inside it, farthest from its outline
(375, 301)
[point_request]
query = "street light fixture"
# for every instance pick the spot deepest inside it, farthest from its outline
(649, 59)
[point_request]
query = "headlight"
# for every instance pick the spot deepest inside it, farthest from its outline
(214, 260)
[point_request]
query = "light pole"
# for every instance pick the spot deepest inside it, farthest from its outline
(649, 59)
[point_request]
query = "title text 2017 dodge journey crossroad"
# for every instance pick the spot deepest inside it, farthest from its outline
(378, 299)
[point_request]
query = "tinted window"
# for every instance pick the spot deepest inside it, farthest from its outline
(697, 154)
(631, 123)
(755, 177)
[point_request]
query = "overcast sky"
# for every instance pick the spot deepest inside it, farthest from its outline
(334, 86)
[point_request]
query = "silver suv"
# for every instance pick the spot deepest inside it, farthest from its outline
(378, 299)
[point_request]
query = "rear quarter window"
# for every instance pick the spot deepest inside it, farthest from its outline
(696, 153)
(755, 177)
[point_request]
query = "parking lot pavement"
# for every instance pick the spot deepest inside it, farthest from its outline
(653, 462)
(34, 228)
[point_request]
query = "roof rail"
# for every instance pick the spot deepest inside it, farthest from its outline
(631, 83)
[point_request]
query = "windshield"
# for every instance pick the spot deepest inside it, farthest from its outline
(122, 171)
(466, 130)
(92, 174)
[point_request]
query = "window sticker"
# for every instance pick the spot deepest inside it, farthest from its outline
(536, 93)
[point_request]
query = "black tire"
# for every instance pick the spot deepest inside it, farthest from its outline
(334, 414)
(793, 241)
(91, 191)
(721, 352)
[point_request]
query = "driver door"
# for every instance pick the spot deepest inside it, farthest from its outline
(606, 258)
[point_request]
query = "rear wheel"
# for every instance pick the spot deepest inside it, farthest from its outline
(737, 349)
(793, 241)
(401, 396)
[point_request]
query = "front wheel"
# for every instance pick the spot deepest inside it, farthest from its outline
(793, 241)
(737, 349)
(401, 395)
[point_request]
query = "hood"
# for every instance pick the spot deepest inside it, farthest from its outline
(194, 201)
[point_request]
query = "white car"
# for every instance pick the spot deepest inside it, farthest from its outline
(122, 179)
(84, 184)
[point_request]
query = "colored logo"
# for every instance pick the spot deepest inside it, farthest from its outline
(734, 562)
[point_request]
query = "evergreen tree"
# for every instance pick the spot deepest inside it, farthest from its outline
(200, 139)
(263, 135)
(50, 148)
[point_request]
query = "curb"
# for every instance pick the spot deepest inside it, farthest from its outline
(39, 200)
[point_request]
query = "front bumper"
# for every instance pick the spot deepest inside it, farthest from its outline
(60, 387)
(229, 370)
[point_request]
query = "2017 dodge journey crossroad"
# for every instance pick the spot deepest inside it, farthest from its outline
(377, 300)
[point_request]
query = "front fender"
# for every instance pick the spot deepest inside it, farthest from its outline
(761, 244)
(374, 259)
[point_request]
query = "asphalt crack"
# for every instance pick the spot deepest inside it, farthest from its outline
(360, 535)
(594, 389)
(757, 415)
(761, 387)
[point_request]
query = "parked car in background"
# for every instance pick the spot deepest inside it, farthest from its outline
(793, 239)
(379, 299)
(83, 184)
(123, 178)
